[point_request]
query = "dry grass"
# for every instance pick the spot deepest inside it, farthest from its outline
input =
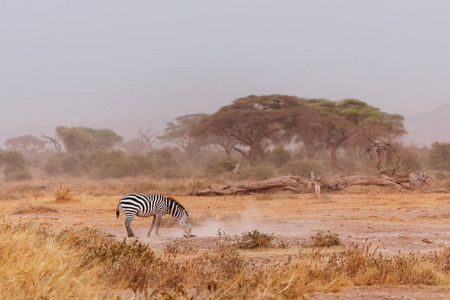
(84, 263)
(33, 265)
(64, 194)
(31, 209)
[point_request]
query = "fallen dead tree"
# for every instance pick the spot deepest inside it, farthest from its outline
(437, 191)
(292, 183)
(345, 182)
(298, 185)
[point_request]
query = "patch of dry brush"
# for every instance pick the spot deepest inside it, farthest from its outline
(86, 263)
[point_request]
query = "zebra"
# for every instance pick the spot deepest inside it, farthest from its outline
(415, 180)
(143, 205)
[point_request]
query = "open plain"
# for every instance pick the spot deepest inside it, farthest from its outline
(389, 222)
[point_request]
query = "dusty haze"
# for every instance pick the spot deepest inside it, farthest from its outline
(125, 65)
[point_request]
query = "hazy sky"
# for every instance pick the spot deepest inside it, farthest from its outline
(126, 64)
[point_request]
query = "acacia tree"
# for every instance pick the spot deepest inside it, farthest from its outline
(352, 117)
(179, 133)
(380, 144)
(79, 139)
(25, 143)
(248, 124)
(306, 125)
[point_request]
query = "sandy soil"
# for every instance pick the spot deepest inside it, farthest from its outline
(392, 222)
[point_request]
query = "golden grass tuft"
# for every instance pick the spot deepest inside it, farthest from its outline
(64, 194)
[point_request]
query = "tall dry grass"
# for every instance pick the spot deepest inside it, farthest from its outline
(35, 265)
(87, 264)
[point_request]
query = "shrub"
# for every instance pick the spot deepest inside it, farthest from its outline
(279, 156)
(18, 175)
(121, 262)
(164, 158)
(14, 166)
(180, 246)
(66, 163)
(256, 240)
(64, 194)
(328, 239)
(439, 156)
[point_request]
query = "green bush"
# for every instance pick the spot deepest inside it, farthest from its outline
(439, 156)
(279, 156)
(18, 175)
(164, 158)
(98, 164)
(14, 166)
(66, 163)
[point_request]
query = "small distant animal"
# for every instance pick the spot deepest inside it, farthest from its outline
(415, 180)
(143, 205)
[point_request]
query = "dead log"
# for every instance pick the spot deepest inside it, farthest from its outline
(437, 191)
(297, 184)
(348, 181)
(292, 183)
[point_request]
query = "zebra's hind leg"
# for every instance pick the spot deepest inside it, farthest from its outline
(127, 225)
(151, 227)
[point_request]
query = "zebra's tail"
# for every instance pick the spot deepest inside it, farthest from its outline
(117, 211)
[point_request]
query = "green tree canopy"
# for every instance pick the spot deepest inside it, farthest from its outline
(349, 117)
(248, 124)
(79, 139)
(25, 143)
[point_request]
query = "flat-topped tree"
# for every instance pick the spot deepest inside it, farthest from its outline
(25, 143)
(249, 124)
(354, 116)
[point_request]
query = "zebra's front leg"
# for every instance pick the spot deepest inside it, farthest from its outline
(153, 225)
(158, 221)
(128, 226)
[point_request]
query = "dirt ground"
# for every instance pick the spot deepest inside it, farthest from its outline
(392, 222)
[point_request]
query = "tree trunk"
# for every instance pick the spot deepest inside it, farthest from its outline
(346, 182)
(292, 183)
(334, 161)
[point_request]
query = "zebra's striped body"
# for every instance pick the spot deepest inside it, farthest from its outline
(415, 180)
(143, 205)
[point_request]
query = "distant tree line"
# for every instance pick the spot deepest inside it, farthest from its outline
(268, 135)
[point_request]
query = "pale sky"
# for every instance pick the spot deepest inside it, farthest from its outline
(127, 64)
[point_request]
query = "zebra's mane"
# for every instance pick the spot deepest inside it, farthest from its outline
(177, 204)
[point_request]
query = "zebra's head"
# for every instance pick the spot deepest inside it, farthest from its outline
(421, 176)
(184, 223)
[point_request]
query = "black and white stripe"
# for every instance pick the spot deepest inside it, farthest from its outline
(415, 180)
(143, 205)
